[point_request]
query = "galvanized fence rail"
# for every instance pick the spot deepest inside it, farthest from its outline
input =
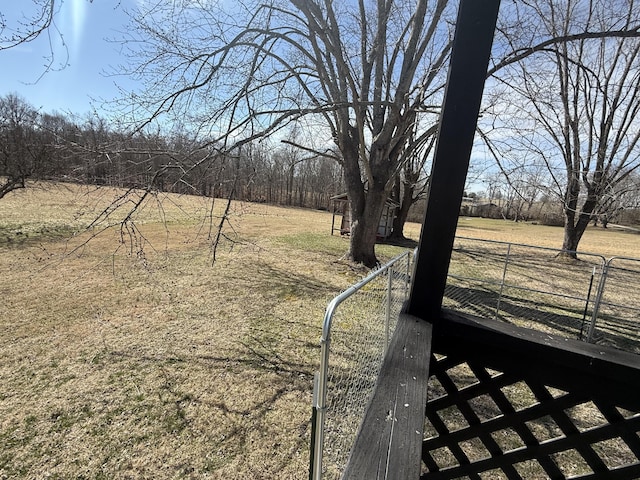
(618, 308)
(354, 340)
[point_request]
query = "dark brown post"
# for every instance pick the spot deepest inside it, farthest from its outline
(469, 61)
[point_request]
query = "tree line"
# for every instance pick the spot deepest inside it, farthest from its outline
(562, 96)
(59, 147)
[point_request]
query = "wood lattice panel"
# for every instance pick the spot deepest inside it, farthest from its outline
(493, 413)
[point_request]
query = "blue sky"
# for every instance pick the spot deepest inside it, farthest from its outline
(85, 26)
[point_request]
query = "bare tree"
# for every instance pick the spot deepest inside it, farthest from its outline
(359, 70)
(35, 18)
(575, 104)
(362, 73)
(412, 181)
(31, 20)
(22, 149)
(621, 197)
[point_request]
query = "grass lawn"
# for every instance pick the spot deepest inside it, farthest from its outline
(144, 360)
(608, 242)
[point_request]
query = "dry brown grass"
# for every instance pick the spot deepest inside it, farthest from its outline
(608, 242)
(543, 291)
(151, 362)
(157, 364)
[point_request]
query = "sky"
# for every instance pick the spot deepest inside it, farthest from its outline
(85, 82)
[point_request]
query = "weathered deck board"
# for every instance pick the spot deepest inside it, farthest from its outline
(389, 441)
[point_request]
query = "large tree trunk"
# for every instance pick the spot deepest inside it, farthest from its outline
(366, 209)
(364, 227)
(571, 240)
(573, 230)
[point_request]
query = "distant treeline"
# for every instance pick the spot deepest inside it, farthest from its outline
(53, 146)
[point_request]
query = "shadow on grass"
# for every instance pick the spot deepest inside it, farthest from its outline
(18, 237)
(243, 400)
(276, 282)
(398, 242)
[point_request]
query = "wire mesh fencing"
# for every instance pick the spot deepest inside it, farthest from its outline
(618, 313)
(586, 298)
(354, 341)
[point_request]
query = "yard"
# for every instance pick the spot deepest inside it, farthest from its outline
(144, 360)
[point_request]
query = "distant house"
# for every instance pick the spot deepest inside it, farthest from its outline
(341, 207)
(475, 207)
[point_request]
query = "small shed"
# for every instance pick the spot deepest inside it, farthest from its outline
(340, 206)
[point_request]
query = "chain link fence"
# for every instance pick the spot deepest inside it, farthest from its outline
(586, 298)
(354, 341)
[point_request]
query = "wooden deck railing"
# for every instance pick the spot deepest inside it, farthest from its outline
(504, 402)
(529, 405)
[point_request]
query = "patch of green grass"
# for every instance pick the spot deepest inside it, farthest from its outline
(334, 245)
(386, 252)
(26, 234)
(316, 242)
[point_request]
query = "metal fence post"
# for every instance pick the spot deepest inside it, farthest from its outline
(596, 305)
(504, 277)
(407, 278)
(388, 309)
(586, 303)
(320, 410)
(314, 426)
